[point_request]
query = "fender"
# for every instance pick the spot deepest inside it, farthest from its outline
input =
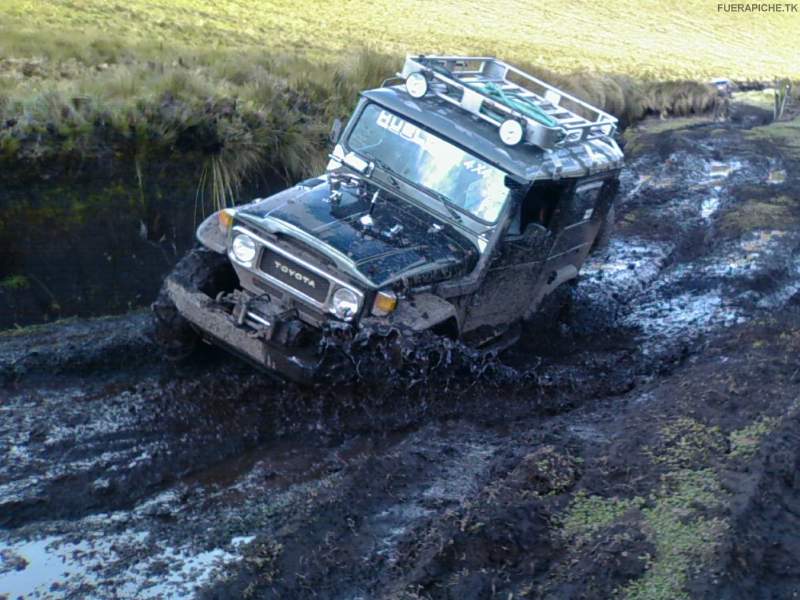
(210, 235)
(419, 312)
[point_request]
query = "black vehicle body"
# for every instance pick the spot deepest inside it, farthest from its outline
(364, 228)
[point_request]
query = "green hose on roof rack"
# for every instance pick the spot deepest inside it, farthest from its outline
(512, 100)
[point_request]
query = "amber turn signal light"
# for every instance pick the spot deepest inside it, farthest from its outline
(225, 217)
(385, 302)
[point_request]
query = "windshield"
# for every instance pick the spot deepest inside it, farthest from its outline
(420, 157)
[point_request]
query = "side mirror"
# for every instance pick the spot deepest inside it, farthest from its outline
(336, 131)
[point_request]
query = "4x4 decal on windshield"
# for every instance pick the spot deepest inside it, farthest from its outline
(463, 179)
(429, 143)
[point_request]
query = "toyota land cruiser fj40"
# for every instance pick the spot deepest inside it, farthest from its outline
(458, 195)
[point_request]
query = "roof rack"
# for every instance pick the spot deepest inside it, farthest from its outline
(520, 105)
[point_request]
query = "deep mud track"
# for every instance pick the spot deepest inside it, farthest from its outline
(645, 444)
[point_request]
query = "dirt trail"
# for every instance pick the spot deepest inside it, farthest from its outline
(645, 444)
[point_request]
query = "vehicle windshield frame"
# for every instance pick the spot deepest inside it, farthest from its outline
(429, 193)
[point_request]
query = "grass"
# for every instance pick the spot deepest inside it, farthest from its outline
(254, 85)
(642, 38)
(784, 135)
(241, 113)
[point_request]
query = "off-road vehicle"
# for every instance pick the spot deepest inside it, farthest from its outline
(458, 195)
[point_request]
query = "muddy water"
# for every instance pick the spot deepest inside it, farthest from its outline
(125, 477)
(94, 239)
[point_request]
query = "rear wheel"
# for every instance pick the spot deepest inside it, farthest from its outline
(203, 270)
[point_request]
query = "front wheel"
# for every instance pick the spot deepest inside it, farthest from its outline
(200, 269)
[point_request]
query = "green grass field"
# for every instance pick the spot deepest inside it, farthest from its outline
(663, 39)
(255, 84)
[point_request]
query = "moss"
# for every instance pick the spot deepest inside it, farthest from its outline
(15, 282)
(770, 214)
(683, 537)
(686, 442)
(783, 134)
(746, 441)
(547, 471)
(587, 515)
(675, 519)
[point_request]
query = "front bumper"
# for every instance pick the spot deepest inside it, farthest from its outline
(219, 327)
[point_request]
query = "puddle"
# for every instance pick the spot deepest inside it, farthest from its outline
(784, 293)
(722, 170)
(688, 314)
(756, 252)
(625, 268)
(53, 567)
(776, 176)
(709, 206)
(587, 433)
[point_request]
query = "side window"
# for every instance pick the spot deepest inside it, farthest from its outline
(585, 200)
(541, 202)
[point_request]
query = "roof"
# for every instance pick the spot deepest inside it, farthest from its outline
(525, 161)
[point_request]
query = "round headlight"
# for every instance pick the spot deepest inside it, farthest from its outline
(345, 304)
(511, 132)
(416, 85)
(244, 248)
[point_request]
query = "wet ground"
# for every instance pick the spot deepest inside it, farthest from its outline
(645, 443)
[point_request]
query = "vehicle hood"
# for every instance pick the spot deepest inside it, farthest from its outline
(402, 242)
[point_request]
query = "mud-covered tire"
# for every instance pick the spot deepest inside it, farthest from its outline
(553, 307)
(606, 230)
(200, 269)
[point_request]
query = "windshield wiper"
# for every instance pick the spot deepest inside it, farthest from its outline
(393, 177)
(389, 172)
(444, 200)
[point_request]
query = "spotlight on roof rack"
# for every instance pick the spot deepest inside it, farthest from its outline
(416, 85)
(511, 132)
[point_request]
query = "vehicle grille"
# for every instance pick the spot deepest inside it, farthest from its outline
(305, 252)
(294, 275)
